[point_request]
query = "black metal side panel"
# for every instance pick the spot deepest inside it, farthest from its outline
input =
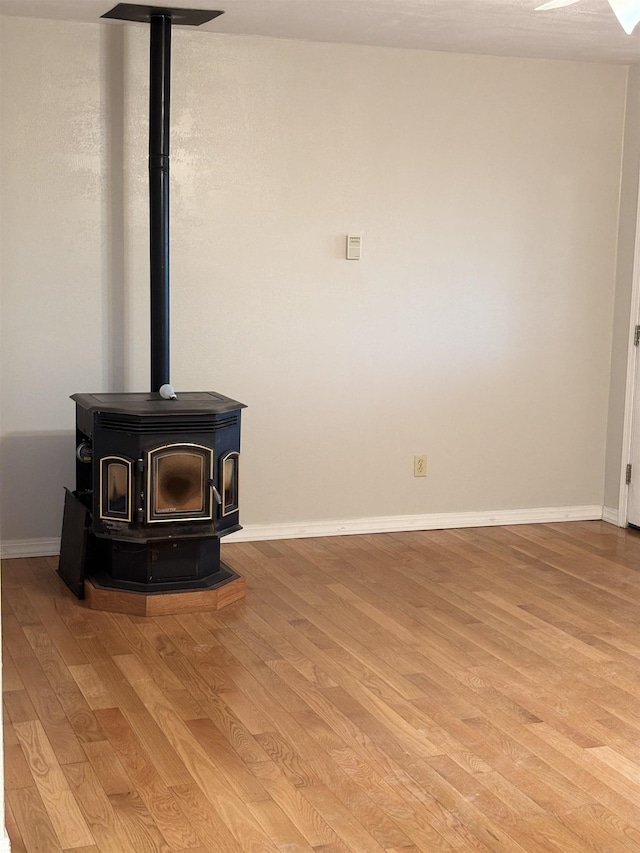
(73, 547)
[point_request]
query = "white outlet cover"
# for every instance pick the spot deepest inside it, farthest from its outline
(354, 247)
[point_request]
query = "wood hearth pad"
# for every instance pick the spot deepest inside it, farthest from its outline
(98, 597)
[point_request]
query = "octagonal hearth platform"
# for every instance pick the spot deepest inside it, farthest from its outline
(98, 597)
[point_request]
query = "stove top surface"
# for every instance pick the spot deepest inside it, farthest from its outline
(150, 403)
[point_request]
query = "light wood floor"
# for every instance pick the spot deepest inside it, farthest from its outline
(471, 690)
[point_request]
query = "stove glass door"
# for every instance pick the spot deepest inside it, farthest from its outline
(179, 483)
(115, 488)
(229, 479)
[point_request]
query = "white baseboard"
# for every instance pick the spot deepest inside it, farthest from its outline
(379, 524)
(11, 549)
(612, 516)
(402, 523)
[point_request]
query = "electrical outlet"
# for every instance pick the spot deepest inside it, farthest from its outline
(420, 465)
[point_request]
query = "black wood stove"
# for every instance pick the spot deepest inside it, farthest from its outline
(156, 473)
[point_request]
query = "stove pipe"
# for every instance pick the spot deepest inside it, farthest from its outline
(159, 104)
(160, 19)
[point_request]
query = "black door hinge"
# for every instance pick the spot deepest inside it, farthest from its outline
(629, 469)
(636, 337)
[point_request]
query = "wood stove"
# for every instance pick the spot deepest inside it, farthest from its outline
(157, 473)
(157, 485)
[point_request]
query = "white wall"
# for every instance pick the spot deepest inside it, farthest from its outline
(476, 328)
(627, 235)
(53, 287)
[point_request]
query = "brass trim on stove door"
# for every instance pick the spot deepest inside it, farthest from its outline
(107, 512)
(229, 482)
(173, 513)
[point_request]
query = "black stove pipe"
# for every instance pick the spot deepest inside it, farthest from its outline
(159, 103)
(160, 20)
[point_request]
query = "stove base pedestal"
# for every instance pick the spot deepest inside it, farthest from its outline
(159, 578)
(163, 578)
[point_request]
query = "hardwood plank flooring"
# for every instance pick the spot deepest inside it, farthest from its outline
(439, 692)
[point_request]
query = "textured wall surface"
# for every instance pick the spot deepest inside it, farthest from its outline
(627, 233)
(475, 329)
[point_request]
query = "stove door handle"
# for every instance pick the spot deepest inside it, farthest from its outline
(216, 493)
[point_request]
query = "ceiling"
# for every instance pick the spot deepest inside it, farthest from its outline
(587, 31)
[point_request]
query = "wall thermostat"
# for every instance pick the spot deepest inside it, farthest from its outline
(354, 246)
